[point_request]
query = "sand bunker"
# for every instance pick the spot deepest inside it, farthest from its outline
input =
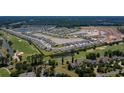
(20, 40)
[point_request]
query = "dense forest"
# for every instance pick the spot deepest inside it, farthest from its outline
(66, 21)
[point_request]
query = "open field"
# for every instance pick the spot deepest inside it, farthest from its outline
(4, 72)
(3, 51)
(63, 68)
(22, 46)
(101, 50)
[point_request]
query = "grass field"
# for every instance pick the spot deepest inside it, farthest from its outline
(63, 68)
(82, 54)
(101, 50)
(4, 73)
(22, 46)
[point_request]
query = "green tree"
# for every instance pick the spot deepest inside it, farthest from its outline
(62, 60)
(98, 55)
(52, 63)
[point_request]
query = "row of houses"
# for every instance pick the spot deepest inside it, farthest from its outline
(44, 43)
(47, 44)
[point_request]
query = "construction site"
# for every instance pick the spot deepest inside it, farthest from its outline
(50, 37)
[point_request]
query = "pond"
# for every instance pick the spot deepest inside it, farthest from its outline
(6, 45)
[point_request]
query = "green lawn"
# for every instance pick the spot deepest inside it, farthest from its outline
(63, 69)
(101, 50)
(22, 46)
(82, 54)
(4, 73)
(47, 53)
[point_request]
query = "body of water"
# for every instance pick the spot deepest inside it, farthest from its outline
(6, 45)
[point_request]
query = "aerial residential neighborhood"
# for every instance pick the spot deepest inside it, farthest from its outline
(59, 46)
(62, 47)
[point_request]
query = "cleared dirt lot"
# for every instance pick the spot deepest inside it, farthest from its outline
(109, 30)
